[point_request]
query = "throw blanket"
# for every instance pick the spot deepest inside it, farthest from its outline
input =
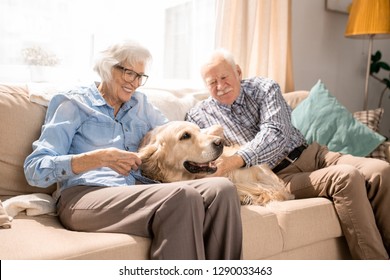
(34, 204)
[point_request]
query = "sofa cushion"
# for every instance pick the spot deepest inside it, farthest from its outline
(330, 249)
(372, 119)
(306, 221)
(20, 125)
(43, 237)
(172, 106)
(261, 238)
(321, 118)
(261, 233)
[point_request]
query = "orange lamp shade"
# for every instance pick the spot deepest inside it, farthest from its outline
(369, 17)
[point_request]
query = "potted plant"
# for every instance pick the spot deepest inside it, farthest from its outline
(377, 65)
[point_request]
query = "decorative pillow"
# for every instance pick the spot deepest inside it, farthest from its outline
(372, 118)
(321, 118)
(5, 221)
(379, 153)
(172, 106)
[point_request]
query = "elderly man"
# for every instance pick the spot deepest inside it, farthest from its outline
(255, 115)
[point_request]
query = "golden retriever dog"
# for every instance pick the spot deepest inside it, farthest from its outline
(180, 150)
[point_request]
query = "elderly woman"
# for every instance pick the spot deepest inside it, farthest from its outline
(88, 146)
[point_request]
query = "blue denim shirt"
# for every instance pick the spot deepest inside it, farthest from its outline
(81, 121)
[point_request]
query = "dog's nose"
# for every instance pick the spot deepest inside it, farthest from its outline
(218, 142)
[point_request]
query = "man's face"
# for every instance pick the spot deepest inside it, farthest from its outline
(222, 80)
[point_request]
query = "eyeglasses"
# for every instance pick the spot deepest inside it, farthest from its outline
(130, 75)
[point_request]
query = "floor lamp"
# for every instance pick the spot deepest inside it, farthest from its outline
(368, 19)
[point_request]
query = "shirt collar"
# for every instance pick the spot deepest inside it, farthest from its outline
(96, 97)
(241, 97)
(98, 100)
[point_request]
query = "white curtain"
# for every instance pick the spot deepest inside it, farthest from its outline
(258, 33)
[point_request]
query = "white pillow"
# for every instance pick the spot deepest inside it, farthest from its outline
(173, 107)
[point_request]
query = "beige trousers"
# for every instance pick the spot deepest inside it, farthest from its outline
(360, 190)
(197, 219)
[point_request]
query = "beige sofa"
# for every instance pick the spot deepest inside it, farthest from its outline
(296, 229)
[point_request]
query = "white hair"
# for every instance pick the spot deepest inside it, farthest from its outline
(127, 51)
(217, 54)
(227, 55)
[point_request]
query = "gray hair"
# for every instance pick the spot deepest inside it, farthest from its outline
(220, 53)
(227, 55)
(127, 51)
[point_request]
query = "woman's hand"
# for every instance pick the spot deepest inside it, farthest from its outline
(118, 160)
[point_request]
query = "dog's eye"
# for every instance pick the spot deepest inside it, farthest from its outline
(185, 136)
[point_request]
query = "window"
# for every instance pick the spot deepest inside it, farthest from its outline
(179, 33)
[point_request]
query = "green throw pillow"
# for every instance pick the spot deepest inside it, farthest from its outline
(321, 118)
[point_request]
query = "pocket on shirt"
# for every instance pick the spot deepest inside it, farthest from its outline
(134, 134)
(98, 134)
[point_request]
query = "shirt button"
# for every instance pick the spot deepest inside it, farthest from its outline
(63, 172)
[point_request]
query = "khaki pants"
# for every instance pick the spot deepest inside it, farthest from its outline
(197, 219)
(360, 190)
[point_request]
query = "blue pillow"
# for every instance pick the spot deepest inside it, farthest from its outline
(321, 118)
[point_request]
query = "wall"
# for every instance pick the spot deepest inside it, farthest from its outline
(320, 51)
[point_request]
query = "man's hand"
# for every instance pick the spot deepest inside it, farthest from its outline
(228, 164)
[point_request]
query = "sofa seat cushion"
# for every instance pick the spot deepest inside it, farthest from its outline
(43, 237)
(262, 238)
(330, 249)
(281, 227)
(286, 226)
(261, 233)
(306, 221)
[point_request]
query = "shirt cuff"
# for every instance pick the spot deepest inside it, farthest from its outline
(63, 167)
(245, 157)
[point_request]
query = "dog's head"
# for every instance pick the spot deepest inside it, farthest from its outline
(180, 150)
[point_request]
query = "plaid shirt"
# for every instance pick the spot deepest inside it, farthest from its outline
(259, 121)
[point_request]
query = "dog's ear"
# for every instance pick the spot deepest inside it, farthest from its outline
(147, 151)
(215, 130)
(148, 166)
(151, 166)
